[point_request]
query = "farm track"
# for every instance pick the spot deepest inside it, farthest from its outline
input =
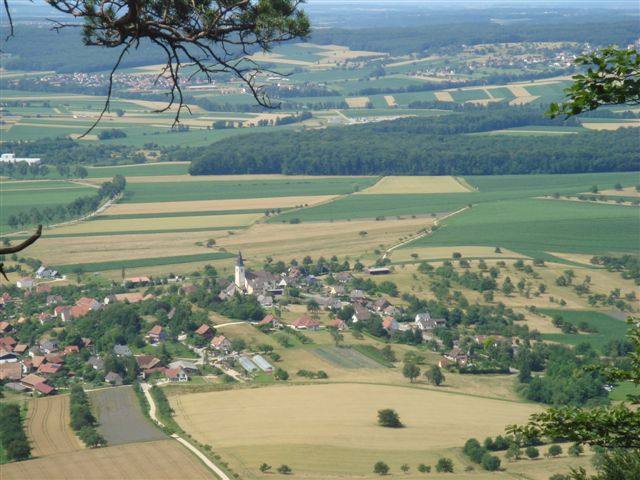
(48, 427)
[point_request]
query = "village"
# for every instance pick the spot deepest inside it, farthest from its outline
(42, 352)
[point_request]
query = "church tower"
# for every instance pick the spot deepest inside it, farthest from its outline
(240, 280)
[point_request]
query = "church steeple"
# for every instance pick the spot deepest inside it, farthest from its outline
(239, 260)
(240, 279)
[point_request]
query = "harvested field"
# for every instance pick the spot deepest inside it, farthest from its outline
(610, 125)
(390, 100)
(413, 184)
(341, 437)
(158, 460)
(522, 95)
(625, 192)
(121, 420)
(160, 223)
(216, 205)
(443, 96)
(345, 357)
(357, 102)
(47, 426)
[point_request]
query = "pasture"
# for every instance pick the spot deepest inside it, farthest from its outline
(48, 429)
(120, 418)
(340, 437)
(154, 460)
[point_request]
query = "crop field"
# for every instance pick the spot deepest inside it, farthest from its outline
(413, 185)
(155, 460)
(47, 427)
(143, 170)
(341, 437)
(174, 192)
(18, 197)
(606, 327)
(345, 357)
(120, 418)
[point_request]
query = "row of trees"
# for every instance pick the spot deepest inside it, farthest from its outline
(82, 420)
(12, 437)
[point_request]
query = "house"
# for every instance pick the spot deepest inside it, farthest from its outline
(337, 290)
(357, 296)
(390, 324)
(5, 299)
(262, 364)
(156, 335)
(380, 304)
(71, 349)
(54, 299)
(360, 314)
(122, 351)
(25, 283)
(458, 356)
(96, 362)
(269, 320)
(188, 289)
(7, 356)
(37, 384)
(16, 387)
(49, 346)
(221, 344)
(44, 318)
(338, 324)
(147, 362)
(329, 303)
(305, 323)
(90, 303)
(46, 273)
(46, 288)
(137, 281)
(204, 331)
(176, 375)
(10, 371)
(49, 368)
(424, 322)
(38, 360)
(343, 277)
(265, 301)
(62, 312)
(7, 343)
(54, 358)
(43, 388)
(184, 365)
(20, 348)
(5, 327)
(113, 378)
(392, 311)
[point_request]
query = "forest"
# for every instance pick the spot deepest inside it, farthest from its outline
(417, 146)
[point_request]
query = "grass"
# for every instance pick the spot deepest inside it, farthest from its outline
(607, 328)
(173, 192)
(142, 262)
(621, 392)
(346, 357)
(373, 353)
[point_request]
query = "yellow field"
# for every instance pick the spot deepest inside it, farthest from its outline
(357, 102)
(48, 429)
(331, 429)
(610, 125)
(412, 184)
(430, 253)
(160, 223)
(444, 96)
(216, 205)
(159, 460)
(626, 192)
(390, 100)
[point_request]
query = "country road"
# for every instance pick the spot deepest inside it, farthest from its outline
(152, 413)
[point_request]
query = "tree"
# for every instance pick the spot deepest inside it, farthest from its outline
(313, 307)
(555, 450)
(389, 418)
(532, 452)
(615, 80)
(490, 462)
(265, 467)
(285, 470)
(422, 468)
(213, 36)
(444, 465)
(513, 452)
(281, 374)
(381, 468)
(405, 468)
(575, 450)
(411, 371)
(336, 335)
(434, 375)
(507, 286)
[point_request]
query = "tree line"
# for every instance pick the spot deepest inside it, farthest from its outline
(82, 419)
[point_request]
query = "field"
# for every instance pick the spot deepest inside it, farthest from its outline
(340, 437)
(345, 357)
(155, 460)
(412, 185)
(120, 418)
(606, 327)
(48, 429)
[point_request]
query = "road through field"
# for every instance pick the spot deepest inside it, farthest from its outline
(48, 427)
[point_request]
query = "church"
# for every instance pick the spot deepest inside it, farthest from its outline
(257, 282)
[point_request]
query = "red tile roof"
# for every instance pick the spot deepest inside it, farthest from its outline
(305, 322)
(43, 388)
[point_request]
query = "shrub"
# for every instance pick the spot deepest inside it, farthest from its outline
(490, 462)
(381, 468)
(444, 465)
(285, 469)
(532, 452)
(389, 418)
(555, 450)
(422, 468)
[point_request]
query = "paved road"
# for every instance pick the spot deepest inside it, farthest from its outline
(152, 413)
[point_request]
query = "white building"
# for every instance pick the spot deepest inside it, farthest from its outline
(240, 278)
(11, 158)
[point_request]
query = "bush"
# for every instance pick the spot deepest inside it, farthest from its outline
(422, 468)
(532, 452)
(281, 374)
(389, 418)
(555, 450)
(490, 462)
(575, 450)
(381, 468)
(285, 470)
(444, 465)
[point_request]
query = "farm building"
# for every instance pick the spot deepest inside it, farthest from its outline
(360, 314)
(269, 320)
(423, 321)
(156, 335)
(11, 158)
(247, 364)
(379, 271)
(176, 375)
(262, 364)
(113, 378)
(221, 344)
(305, 323)
(25, 283)
(204, 331)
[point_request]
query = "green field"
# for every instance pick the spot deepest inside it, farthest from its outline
(606, 327)
(345, 357)
(142, 262)
(144, 170)
(218, 190)
(22, 197)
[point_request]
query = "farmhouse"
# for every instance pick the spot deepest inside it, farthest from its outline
(147, 362)
(137, 281)
(10, 371)
(269, 320)
(204, 331)
(25, 283)
(156, 335)
(390, 324)
(113, 378)
(424, 322)
(176, 375)
(221, 344)
(7, 356)
(305, 323)
(338, 324)
(360, 314)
